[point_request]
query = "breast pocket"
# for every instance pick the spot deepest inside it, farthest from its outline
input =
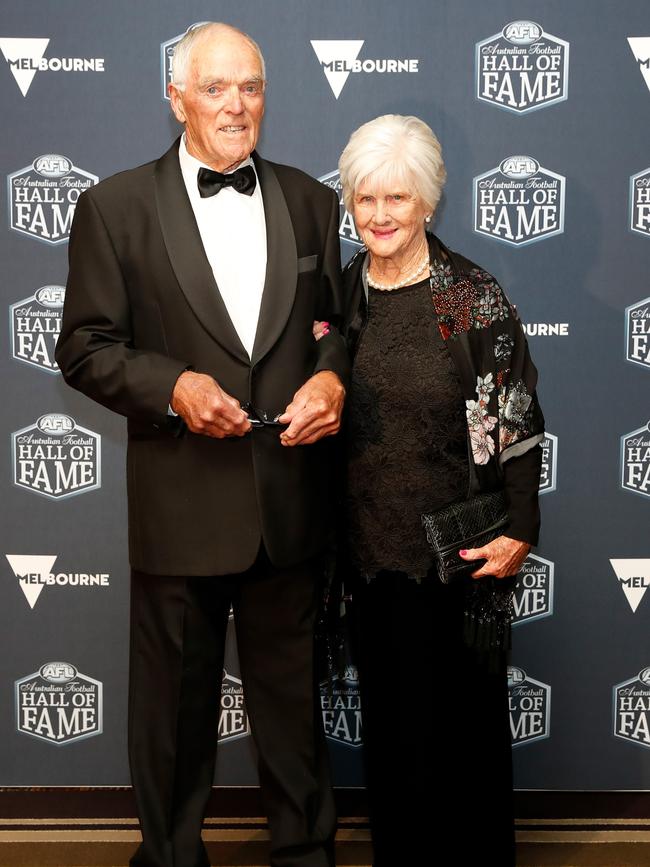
(307, 263)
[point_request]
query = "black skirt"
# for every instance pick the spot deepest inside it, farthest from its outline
(435, 727)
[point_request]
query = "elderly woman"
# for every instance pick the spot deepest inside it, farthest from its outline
(442, 402)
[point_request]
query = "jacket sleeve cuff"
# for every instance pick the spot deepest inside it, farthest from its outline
(521, 481)
(333, 355)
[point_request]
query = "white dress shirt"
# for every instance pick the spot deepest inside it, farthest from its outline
(233, 232)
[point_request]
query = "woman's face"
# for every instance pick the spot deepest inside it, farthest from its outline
(389, 221)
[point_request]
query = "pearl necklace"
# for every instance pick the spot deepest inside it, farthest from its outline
(405, 282)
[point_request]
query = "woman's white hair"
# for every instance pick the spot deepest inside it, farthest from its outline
(394, 152)
(183, 49)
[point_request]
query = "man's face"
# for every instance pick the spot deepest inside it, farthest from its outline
(223, 101)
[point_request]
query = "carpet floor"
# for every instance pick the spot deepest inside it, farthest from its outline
(235, 842)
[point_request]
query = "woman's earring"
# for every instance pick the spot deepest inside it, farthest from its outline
(427, 219)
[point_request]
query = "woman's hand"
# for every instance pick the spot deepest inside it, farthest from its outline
(504, 557)
(320, 329)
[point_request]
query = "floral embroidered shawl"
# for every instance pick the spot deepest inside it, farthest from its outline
(487, 344)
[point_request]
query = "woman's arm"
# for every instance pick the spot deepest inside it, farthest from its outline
(506, 554)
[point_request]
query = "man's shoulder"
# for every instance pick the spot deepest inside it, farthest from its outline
(294, 179)
(129, 182)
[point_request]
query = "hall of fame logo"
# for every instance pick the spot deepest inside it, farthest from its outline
(56, 457)
(640, 47)
(519, 202)
(631, 706)
(341, 708)
(43, 197)
(637, 333)
(529, 701)
(533, 597)
(522, 68)
(634, 577)
(347, 230)
(548, 477)
(35, 324)
(58, 704)
(340, 57)
(25, 57)
(635, 461)
(640, 202)
(34, 572)
(233, 719)
(167, 55)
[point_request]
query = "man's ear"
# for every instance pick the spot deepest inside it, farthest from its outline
(176, 99)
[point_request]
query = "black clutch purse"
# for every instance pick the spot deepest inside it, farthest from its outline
(487, 602)
(469, 524)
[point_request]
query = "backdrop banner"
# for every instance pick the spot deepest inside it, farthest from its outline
(543, 112)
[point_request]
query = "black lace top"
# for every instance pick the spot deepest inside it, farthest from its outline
(407, 446)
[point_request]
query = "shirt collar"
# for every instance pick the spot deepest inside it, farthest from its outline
(190, 165)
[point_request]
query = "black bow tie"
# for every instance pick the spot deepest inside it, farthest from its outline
(243, 180)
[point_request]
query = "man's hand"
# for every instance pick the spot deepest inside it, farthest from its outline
(315, 410)
(504, 557)
(206, 408)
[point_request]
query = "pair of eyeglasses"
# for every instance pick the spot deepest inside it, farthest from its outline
(261, 418)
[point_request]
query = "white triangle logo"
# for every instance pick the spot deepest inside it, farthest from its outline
(640, 46)
(336, 57)
(27, 565)
(17, 50)
(634, 576)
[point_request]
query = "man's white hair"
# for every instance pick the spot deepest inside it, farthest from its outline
(183, 49)
(394, 152)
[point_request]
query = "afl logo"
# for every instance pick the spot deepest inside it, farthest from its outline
(644, 676)
(56, 457)
(55, 423)
(635, 461)
(341, 708)
(35, 327)
(43, 196)
(640, 201)
(58, 672)
(533, 596)
(529, 701)
(347, 229)
(52, 165)
(58, 704)
(522, 32)
(522, 68)
(519, 167)
(519, 201)
(51, 297)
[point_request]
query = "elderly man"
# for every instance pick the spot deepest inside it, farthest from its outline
(194, 281)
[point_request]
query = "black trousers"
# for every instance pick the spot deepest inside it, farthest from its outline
(178, 630)
(435, 729)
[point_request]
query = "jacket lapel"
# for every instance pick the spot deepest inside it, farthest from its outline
(187, 256)
(281, 262)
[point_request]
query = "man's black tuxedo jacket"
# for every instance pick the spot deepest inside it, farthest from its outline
(142, 305)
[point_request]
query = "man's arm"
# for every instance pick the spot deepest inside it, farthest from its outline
(331, 350)
(95, 348)
(316, 408)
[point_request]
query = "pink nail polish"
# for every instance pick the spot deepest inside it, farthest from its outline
(462, 553)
